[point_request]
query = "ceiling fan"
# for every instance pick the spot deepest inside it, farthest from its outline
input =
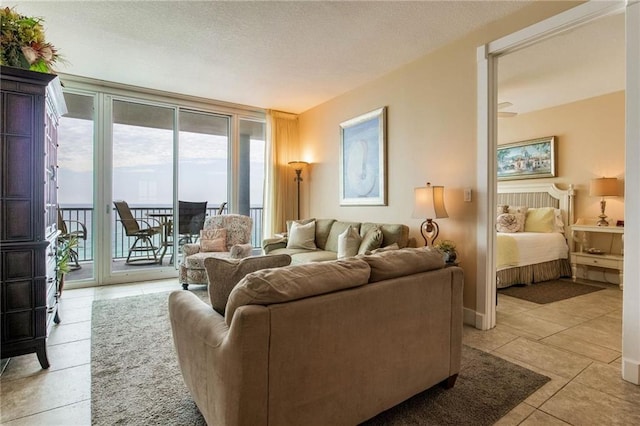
(505, 114)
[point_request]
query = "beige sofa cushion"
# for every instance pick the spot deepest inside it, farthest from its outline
(270, 286)
(323, 227)
(396, 263)
(224, 274)
(391, 233)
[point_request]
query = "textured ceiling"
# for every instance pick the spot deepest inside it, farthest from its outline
(294, 55)
(288, 56)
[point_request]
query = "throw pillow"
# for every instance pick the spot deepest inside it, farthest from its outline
(224, 274)
(279, 285)
(302, 236)
(348, 243)
(542, 219)
(521, 213)
(559, 223)
(372, 240)
(213, 240)
(507, 222)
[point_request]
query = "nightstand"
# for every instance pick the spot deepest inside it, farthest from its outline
(587, 255)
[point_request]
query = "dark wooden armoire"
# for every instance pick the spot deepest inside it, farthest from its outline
(31, 106)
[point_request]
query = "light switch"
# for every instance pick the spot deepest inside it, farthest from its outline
(467, 195)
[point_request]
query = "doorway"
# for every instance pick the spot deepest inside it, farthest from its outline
(487, 142)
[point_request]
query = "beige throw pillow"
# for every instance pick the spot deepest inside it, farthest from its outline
(348, 243)
(372, 240)
(280, 285)
(224, 274)
(520, 212)
(302, 236)
(213, 240)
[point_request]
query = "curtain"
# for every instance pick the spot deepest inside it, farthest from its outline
(282, 147)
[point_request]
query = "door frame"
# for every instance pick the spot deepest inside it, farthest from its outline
(487, 57)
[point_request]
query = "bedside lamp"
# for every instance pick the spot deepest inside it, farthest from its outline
(297, 167)
(429, 204)
(603, 187)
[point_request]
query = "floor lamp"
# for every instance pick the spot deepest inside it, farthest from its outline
(298, 166)
(429, 204)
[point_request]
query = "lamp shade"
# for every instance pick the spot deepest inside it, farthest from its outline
(604, 187)
(429, 202)
(298, 165)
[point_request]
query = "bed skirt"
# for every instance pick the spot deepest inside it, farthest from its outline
(534, 273)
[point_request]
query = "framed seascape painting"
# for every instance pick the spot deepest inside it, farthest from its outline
(363, 148)
(535, 158)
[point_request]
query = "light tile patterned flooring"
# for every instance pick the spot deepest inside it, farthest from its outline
(576, 342)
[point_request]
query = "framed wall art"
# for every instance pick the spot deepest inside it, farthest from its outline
(363, 149)
(535, 158)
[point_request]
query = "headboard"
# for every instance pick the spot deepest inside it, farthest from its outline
(539, 195)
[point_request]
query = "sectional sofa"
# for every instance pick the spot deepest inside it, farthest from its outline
(322, 343)
(326, 239)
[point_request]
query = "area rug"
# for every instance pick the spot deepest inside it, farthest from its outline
(549, 291)
(135, 378)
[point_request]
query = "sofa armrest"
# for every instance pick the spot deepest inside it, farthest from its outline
(190, 248)
(239, 251)
(270, 244)
(187, 310)
(214, 356)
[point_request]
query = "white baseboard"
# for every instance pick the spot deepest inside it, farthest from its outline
(469, 317)
(631, 371)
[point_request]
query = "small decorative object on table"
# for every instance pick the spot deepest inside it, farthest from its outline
(448, 250)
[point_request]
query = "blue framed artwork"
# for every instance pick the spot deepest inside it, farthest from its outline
(363, 149)
(535, 158)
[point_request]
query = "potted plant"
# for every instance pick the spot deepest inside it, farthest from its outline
(23, 43)
(63, 259)
(448, 250)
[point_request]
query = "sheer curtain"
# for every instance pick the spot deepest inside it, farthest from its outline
(282, 146)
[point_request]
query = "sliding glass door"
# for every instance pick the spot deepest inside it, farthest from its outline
(75, 180)
(142, 185)
(142, 158)
(203, 164)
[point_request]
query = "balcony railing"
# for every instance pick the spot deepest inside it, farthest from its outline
(120, 243)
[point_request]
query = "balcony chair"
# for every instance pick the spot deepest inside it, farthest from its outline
(78, 233)
(237, 245)
(191, 216)
(143, 236)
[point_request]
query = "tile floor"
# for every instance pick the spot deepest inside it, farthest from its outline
(576, 342)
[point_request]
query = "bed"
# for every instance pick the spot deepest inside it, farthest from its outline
(533, 224)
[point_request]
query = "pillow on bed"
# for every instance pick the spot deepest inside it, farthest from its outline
(559, 223)
(508, 222)
(521, 213)
(541, 219)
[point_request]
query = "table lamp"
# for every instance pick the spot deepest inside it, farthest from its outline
(603, 187)
(429, 204)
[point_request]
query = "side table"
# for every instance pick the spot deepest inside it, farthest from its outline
(590, 256)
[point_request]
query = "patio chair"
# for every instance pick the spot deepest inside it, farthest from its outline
(191, 217)
(79, 232)
(143, 242)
